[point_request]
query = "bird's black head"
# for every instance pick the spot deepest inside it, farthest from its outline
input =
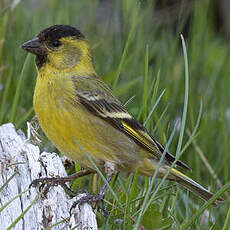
(55, 42)
(59, 31)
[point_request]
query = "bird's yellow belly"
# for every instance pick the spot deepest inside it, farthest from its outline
(65, 130)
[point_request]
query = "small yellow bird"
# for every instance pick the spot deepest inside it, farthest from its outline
(73, 103)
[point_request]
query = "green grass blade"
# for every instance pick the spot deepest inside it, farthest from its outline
(194, 132)
(226, 222)
(99, 172)
(148, 201)
(153, 108)
(195, 217)
(129, 100)
(124, 54)
(158, 167)
(18, 90)
(160, 119)
(11, 200)
(24, 118)
(4, 96)
(156, 86)
(56, 224)
(24, 212)
(8, 181)
(145, 93)
(185, 98)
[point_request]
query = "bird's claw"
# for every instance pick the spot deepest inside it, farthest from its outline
(41, 182)
(91, 199)
(45, 184)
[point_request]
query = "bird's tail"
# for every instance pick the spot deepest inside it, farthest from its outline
(193, 186)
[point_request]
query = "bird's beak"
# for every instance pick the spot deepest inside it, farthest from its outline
(34, 46)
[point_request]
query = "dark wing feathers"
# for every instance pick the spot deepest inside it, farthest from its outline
(110, 109)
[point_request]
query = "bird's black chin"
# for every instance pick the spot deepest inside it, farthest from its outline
(40, 60)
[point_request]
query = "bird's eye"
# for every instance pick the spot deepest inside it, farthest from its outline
(56, 43)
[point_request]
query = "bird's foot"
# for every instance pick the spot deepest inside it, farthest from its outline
(89, 198)
(46, 180)
(46, 183)
(51, 181)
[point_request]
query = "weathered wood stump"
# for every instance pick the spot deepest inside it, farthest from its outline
(28, 209)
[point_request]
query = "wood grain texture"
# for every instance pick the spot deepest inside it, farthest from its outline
(19, 157)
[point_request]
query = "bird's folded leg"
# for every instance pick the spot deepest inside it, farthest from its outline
(110, 171)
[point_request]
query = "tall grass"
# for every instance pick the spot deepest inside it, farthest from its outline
(140, 56)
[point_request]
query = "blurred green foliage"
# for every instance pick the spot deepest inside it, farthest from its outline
(150, 35)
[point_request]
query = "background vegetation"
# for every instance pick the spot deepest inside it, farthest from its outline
(138, 52)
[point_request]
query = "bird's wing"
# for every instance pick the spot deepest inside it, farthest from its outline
(100, 101)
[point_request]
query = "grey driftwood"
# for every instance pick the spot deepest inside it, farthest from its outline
(20, 163)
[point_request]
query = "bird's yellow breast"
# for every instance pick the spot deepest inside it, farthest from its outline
(54, 116)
